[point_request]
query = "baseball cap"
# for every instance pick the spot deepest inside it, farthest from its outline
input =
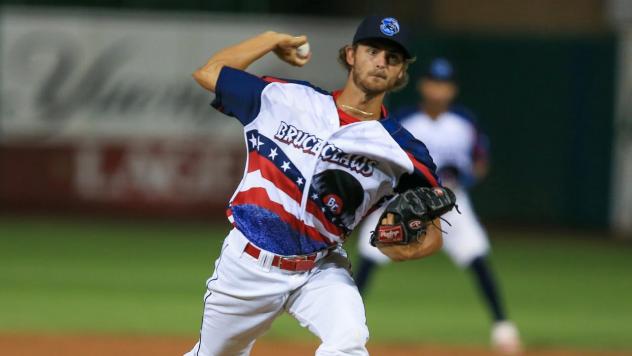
(387, 28)
(440, 69)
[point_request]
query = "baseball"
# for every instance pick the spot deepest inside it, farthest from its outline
(303, 50)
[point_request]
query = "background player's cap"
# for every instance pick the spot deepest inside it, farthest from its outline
(440, 69)
(388, 28)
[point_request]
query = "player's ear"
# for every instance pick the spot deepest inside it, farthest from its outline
(350, 54)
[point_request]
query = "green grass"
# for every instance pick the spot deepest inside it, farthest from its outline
(65, 276)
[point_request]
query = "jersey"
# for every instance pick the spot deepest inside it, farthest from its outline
(453, 138)
(309, 177)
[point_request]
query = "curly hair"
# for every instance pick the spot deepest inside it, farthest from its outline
(399, 84)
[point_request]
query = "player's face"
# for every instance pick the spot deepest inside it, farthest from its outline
(376, 66)
(437, 92)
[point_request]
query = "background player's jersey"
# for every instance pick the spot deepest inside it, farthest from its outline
(309, 178)
(453, 139)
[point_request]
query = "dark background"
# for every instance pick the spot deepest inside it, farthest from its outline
(539, 76)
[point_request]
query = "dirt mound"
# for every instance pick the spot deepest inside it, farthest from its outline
(109, 345)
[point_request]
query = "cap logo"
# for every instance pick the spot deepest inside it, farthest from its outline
(389, 26)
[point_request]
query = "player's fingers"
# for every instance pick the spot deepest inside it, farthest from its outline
(301, 61)
(297, 41)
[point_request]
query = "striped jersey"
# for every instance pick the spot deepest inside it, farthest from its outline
(312, 171)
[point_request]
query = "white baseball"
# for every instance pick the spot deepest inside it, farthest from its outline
(303, 50)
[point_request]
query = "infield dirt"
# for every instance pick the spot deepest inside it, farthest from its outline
(108, 345)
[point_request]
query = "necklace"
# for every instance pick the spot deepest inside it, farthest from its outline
(365, 113)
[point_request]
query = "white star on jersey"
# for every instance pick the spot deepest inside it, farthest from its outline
(299, 181)
(253, 140)
(315, 196)
(285, 166)
(273, 153)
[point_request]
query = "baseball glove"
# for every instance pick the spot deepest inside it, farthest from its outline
(405, 218)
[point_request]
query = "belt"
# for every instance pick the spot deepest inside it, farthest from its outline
(294, 263)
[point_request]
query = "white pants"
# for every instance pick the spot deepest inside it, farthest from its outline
(464, 241)
(245, 295)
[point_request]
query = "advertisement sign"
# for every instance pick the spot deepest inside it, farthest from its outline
(112, 93)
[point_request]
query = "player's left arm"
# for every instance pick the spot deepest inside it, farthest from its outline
(431, 243)
(410, 227)
(423, 174)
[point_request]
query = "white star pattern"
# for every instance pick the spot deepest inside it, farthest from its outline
(273, 153)
(315, 196)
(259, 143)
(285, 166)
(253, 140)
(299, 181)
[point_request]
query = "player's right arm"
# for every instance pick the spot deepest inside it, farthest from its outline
(243, 54)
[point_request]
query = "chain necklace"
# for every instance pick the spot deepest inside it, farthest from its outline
(361, 112)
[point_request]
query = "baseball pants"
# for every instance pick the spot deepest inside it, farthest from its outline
(244, 296)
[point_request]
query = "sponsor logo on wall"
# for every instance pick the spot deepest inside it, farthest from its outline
(111, 95)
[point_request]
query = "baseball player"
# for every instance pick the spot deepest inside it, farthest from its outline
(460, 151)
(317, 163)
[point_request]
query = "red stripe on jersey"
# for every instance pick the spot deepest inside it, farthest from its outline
(313, 209)
(273, 79)
(259, 197)
(229, 215)
(423, 169)
(273, 174)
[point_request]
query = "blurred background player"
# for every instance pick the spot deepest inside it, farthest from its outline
(460, 151)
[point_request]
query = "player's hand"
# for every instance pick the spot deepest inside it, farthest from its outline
(400, 253)
(431, 243)
(286, 49)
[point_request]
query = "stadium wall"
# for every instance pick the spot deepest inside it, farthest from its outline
(547, 103)
(99, 112)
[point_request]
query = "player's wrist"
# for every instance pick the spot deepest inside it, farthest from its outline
(269, 41)
(274, 38)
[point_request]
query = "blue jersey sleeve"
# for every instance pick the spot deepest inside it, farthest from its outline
(238, 94)
(424, 173)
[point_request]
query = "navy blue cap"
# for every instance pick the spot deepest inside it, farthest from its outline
(388, 28)
(441, 69)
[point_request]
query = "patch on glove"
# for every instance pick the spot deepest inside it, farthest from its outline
(390, 234)
(405, 218)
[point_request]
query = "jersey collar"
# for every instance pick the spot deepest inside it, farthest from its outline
(345, 118)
